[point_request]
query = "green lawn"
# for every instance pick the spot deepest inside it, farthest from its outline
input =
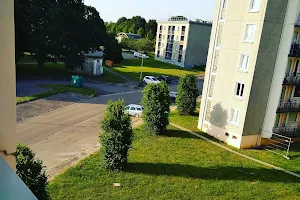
(131, 69)
(56, 89)
(176, 165)
(58, 70)
(191, 122)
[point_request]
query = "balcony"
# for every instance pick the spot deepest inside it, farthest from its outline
(295, 50)
(159, 39)
(182, 32)
(160, 31)
(171, 32)
(171, 41)
(288, 107)
(169, 50)
(289, 130)
(291, 79)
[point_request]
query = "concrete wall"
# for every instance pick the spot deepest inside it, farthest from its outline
(198, 43)
(265, 66)
(292, 9)
(7, 83)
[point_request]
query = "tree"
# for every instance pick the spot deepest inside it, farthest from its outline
(141, 32)
(145, 45)
(31, 171)
(128, 43)
(156, 103)
(116, 138)
(113, 50)
(187, 95)
(151, 28)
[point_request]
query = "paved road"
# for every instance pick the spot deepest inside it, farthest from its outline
(61, 137)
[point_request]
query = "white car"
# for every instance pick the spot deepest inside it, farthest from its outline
(151, 79)
(140, 55)
(134, 110)
(173, 95)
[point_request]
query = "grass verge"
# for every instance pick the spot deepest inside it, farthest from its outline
(56, 89)
(131, 68)
(176, 165)
(191, 122)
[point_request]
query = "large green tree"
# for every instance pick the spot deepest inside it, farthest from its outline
(145, 45)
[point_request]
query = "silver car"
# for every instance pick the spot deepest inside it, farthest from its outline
(134, 110)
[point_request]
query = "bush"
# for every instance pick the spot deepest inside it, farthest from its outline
(187, 95)
(116, 137)
(156, 103)
(31, 171)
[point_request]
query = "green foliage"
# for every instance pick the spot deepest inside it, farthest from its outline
(145, 45)
(156, 103)
(141, 32)
(187, 94)
(116, 138)
(31, 171)
(128, 43)
(113, 50)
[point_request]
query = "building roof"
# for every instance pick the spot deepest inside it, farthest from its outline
(181, 19)
(95, 54)
(130, 35)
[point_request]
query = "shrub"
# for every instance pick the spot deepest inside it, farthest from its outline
(116, 137)
(187, 95)
(31, 171)
(156, 103)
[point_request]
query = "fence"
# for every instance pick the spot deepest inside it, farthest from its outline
(279, 144)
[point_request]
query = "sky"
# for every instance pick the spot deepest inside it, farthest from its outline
(112, 10)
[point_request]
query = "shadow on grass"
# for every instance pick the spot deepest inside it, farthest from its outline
(178, 134)
(211, 173)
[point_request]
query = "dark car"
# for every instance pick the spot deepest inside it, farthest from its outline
(164, 78)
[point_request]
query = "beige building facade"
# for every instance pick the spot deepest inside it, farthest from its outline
(7, 83)
(250, 88)
(182, 42)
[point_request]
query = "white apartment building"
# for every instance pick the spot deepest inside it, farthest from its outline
(182, 42)
(252, 81)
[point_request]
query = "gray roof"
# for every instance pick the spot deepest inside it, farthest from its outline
(95, 54)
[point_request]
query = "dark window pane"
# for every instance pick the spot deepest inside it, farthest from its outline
(297, 92)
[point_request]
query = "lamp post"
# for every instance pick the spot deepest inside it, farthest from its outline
(141, 69)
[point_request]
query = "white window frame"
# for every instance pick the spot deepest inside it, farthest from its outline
(240, 95)
(241, 63)
(252, 4)
(234, 116)
(246, 33)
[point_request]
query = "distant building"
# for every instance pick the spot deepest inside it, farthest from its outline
(93, 63)
(251, 92)
(121, 36)
(182, 42)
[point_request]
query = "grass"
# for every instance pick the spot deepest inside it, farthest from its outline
(58, 70)
(131, 69)
(191, 122)
(176, 165)
(56, 89)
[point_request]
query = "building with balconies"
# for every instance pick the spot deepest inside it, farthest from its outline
(251, 90)
(183, 42)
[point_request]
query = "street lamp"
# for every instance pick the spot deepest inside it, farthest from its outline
(141, 69)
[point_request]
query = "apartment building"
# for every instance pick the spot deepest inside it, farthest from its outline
(183, 42)
(252, 81)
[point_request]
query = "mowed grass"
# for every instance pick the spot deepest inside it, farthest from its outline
(131, 68)
(176, 165)
(58, 70)
(191, 122)
(56, 89)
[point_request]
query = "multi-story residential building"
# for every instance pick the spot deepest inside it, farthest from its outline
(183, 42)
(252, 81)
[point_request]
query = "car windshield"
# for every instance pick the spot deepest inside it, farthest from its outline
(154, 79)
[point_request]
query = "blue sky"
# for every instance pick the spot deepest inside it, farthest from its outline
(112, 10)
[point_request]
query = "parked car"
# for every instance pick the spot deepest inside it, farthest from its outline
(134, 110)
(140, 55)
(173, 96)
(151, 79)
(164, 78)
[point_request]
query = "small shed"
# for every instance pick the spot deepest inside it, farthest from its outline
(93, 63)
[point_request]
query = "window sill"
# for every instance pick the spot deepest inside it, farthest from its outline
(243, 71)
(239, 98)
(233, 124)
(253, 11)
(250, 42)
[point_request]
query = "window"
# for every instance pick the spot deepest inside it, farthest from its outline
(254, 5)
(182, 38)
(297, 92)
(239, 89)
(224, 5)
(139, 109)
(183, 28)
(160, 28)
(159, 36)
(250, 31)
(132, 108)
(244, 62)
(234, 116)
(127, 108)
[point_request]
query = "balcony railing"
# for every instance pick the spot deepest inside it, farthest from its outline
(171, 32)
(169, 50)
(182, 32)
(170, 40)
(295, 50)
(159, 39)
(291, 79)
(160, 31)
(289, 130)
(288, 107)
